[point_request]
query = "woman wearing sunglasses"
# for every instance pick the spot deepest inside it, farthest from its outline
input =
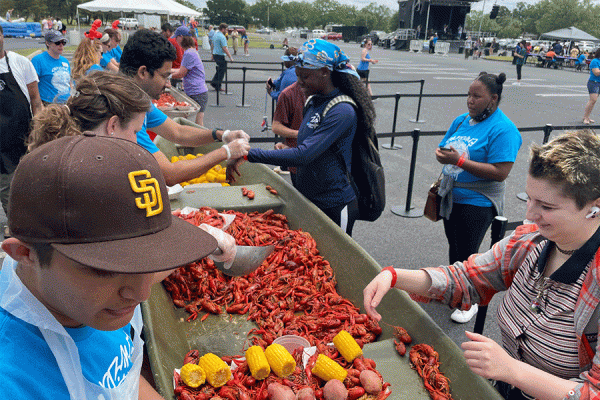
(53, 70)
(324, 153)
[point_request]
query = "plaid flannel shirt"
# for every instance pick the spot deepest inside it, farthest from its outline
(476, 280)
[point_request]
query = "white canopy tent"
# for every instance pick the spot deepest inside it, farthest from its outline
(571, 33)
(161, 7)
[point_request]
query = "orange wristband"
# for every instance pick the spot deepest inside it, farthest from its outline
(461, 161)
(394, 275)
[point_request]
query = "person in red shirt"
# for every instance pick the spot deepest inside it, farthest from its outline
(167, 31)
(288, 118)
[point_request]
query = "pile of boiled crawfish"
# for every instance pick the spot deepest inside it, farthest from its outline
(292, 293)
(243, 386)
(426, 361)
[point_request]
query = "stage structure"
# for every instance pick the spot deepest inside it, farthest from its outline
(444, 17)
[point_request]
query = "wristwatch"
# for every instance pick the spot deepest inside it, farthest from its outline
(214, 134)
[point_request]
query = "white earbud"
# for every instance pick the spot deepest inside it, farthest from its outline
(593, 211)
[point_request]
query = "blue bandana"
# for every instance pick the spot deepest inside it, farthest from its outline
(319, 53)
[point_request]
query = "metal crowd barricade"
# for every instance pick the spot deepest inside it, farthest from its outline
(416, 45)
(442, 48)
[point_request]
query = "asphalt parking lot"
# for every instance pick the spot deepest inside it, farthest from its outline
(545, 97)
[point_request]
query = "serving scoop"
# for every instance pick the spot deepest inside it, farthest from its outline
(247, 260)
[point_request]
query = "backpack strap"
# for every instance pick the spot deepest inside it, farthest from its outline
(342, 98)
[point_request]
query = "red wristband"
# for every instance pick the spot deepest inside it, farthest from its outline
(394, 275)
(461, 161)
(246, 157)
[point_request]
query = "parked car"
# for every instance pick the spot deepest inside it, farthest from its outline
(373, 35)
(174, 23)
(264, 30)
(333, 36)
(304, 33)
(584, 45)
(241, 30)
(128, 23)
(385, 40)
(318, 33)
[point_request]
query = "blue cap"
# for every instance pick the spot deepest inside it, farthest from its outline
(182, 31)
(54, 36)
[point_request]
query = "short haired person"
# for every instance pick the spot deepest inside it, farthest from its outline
(53, 70)
(219, 52)
(19, 100)
(287, 77)
(148, 60)
(192, 73)
(210, 34)
(549, 273)
(92, 232)
(169, 34)
(288, 118)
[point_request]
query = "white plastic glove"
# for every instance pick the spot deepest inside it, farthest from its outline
(237, 149)
(226, 250)
(230, 136)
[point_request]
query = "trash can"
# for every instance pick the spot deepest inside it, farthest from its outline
(461, 50)
(205, 43)
(486, 51)
(74, 37)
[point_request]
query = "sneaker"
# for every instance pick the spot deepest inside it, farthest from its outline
(462, 317)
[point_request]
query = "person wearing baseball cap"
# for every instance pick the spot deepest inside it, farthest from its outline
(287, 77)
(53, 69)
(86, 215)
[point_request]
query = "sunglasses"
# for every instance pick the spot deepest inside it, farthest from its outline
(63, 42)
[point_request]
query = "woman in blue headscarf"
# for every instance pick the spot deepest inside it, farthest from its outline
(324, 153)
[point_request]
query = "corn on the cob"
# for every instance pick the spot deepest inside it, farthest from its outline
(347, 346)
(192, 375)
(257, 362)
(217, 371)
(281, 361)
(327, 369)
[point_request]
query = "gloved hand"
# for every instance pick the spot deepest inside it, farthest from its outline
(230, 136)
(237, 149)
(226, 249)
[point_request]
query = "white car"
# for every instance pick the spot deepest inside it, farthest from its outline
(318, 33)
(128, 23)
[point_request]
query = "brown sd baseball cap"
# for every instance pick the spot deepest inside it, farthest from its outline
(103, 203)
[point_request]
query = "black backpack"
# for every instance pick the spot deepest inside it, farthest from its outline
(367, 176)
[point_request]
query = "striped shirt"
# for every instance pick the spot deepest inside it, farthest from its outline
(569, 311)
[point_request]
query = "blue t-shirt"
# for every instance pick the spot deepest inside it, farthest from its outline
(94, 67)
(284, 80)
(116, 53)
(194, 81)
(219, 42)
(320, 175)
(105, 59)
(493, 140)
(363, 65)
(55, 77)
(211, 34)
(595, 63)
(154, 118)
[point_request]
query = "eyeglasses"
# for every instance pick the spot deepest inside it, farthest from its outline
(62, 42)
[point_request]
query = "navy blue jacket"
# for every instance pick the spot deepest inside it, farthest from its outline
(321, 176)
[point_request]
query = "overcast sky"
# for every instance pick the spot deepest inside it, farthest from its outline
(393, 4)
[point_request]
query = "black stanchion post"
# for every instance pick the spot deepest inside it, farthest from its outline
(417, 120)
(217, 105)
(226, 80)
(391, 146)
(243, 89)
(547, 131)
(408, 211)
(272, 108)
(498, 231)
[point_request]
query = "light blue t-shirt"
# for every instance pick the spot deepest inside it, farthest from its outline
(28, 369)
(105, 59)
(219, 41)
(55, 77)
(493, 140)
(595, 63)
(154, 118)
(363, 65)
(116, 53)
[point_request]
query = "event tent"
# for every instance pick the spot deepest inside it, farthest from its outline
(571, 33)
(162, 7)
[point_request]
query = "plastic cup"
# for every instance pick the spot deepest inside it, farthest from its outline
(292, 342)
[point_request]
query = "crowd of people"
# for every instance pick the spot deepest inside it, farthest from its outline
(79, 266)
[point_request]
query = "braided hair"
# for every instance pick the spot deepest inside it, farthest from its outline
(354, 88)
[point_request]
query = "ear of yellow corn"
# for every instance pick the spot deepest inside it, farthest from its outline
(327, 369)
(192, 375)
(257, 362)
(280, 360)
(217, 371)
(347, 346)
